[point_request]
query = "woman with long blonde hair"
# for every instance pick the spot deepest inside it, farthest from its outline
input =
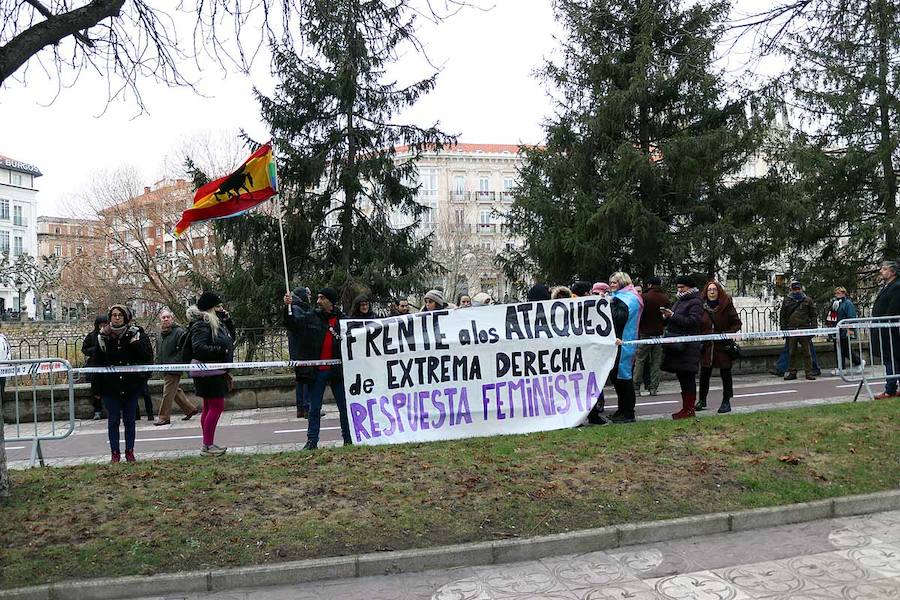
(210, 339)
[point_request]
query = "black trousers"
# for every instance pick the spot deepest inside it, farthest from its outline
(688, 382)
(625, 392)
(727, 383)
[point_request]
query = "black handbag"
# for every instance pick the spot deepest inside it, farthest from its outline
(732, 349)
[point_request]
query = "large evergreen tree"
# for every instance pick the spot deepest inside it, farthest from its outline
(642, 161)
(843, 158)
(333, 123)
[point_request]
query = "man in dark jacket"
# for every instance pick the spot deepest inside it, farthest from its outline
(303, 376)
(798, 311)
(652, 325)
(320, 334)
(169, 352)
(887, 342)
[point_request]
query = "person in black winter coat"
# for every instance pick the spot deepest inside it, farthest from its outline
(211, 339)
(120, 343)
(886, 342)
(320, 336)
(303, 376)
(88, 346)
(684, 318)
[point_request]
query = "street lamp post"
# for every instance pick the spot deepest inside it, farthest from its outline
(18, 283)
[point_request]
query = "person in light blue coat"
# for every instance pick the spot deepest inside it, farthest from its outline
(622, 288)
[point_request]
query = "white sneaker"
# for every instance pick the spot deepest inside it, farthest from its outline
(212, 450)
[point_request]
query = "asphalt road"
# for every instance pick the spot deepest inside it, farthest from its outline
(280, 426)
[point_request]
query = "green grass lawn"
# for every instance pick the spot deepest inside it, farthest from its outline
(195, 513)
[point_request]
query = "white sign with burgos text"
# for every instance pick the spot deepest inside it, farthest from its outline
(480, 371)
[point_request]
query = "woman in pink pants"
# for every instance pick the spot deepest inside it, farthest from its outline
(210, 339)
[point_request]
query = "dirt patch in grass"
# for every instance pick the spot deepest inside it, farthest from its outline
(198, 513)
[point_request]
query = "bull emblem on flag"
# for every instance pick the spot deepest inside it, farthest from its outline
(233, 184)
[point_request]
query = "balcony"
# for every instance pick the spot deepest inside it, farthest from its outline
(485, 196)
(506, 197)
(459, 196)
(487, 228)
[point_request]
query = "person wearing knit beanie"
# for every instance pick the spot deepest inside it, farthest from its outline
(434, 300)
(482, 299)
(208, 300)
(538, 293)
(601, 288)
(329, 294)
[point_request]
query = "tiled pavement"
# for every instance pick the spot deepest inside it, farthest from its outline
(851, 558)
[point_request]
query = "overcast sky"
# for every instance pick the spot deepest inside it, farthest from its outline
(486, 93)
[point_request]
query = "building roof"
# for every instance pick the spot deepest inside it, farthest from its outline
(17, 165)
(472, 149)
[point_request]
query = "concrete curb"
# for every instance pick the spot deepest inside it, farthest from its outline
(460, 555)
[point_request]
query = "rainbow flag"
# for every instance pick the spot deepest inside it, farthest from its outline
(251, 184)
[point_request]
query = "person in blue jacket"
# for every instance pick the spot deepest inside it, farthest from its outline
(622, 288)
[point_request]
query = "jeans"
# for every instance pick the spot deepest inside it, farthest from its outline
(301, 391)
(120, 409)
(890, 385)
(783, 363)
(316, 391)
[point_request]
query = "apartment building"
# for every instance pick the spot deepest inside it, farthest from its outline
(467, 190)
(18, 209)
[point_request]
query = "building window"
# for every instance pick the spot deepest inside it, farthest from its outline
(484, 183)
(508, 184)
(17, 246)
(57, 250)
(429, 215)
(79, 250)
(460, 216)
(484, 217)
(15, 179)
(18, 219)
(428, 182)
(4, 241)
(168, 247)
(56, 231)
(459, 184)
(4, 209)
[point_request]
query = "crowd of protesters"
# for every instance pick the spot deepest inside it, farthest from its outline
(312, 321)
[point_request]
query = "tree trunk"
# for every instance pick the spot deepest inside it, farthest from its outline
(350, 177)
(886, 144)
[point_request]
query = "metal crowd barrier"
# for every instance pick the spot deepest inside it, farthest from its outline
(866, 347)
(24, 376)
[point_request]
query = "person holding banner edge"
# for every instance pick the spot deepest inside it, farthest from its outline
(623, 290)
(322, 338)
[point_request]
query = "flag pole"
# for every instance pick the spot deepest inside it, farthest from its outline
(287, 285)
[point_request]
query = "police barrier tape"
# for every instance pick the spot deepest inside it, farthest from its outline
(56, 366)
(36, 369)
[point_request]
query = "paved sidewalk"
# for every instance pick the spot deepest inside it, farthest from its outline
(850, 558)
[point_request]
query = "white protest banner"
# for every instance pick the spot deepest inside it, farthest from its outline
(482, 371)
